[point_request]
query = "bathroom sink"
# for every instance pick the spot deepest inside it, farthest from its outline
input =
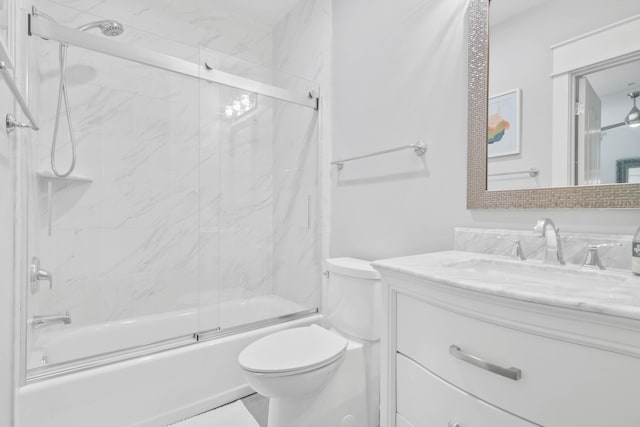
(614, 292)
(531, 272)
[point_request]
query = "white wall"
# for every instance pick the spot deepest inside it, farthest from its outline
(400, 74)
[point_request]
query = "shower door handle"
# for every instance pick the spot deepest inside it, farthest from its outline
(38, 274)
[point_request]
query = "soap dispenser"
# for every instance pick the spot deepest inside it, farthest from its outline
(635, 253)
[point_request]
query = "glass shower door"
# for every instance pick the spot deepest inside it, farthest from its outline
(121, 234)
(266, 265)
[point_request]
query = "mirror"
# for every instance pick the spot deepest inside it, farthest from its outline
(548, 97)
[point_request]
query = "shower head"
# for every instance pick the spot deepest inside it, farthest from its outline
(109, 28)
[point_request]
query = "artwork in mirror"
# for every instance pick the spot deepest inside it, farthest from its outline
(595, 88)
(576, 86)
(628, 170)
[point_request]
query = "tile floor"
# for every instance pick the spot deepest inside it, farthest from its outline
(251, 411)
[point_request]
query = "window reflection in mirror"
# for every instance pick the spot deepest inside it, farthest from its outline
(523, 35)
(608, 138)
(4, 20)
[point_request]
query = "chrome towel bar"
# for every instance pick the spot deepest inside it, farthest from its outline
(420, 148)
(533, 172)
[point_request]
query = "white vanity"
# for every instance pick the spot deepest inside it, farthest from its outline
(473, 340)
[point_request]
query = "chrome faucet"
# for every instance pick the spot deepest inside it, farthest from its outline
(546, 228)
(42, 321)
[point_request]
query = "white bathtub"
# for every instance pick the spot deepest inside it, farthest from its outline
(151, 391)
(63, 343)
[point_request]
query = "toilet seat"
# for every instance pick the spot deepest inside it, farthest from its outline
(293, 351)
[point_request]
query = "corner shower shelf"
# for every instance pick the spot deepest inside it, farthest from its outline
(46, 175)
(60, 183)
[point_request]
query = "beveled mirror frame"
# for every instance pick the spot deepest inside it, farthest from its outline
(478, 197)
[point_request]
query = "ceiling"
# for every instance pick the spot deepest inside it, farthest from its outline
(502, 10)
(620, 79)
(266, 11)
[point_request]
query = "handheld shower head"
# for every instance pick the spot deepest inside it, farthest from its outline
(112, 28)
(109, 28)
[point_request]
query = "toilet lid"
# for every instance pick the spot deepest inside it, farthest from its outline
(291, 350)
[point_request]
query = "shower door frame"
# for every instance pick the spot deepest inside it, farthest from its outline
(55, 32)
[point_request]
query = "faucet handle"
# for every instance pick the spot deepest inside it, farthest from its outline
(592, 260)
(37, 274)
(516, 249)
(517, 252)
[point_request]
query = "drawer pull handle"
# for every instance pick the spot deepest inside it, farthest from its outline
(512, 373)
(452, 423)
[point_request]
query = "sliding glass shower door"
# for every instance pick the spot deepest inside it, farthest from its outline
(266, 210)
(193, 209)
(121, 235)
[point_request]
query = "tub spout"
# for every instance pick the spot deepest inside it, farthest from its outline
(42, 321)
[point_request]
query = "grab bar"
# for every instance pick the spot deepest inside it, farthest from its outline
(419, 148)
(533, 172)
(10, 121)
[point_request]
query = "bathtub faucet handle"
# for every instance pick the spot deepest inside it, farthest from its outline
(37, 274)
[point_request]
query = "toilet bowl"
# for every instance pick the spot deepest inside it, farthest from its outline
(294, 362)
(317, 377)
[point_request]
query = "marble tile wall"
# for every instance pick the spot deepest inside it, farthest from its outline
(124, 244)
(184, 206)
(246, 201)
(216, 24)
(574, 245)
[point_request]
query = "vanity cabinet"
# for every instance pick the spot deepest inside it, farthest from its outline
(425, 400)
(455, 357)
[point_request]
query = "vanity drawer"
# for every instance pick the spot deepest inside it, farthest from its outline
(426, 401)
(561, 384)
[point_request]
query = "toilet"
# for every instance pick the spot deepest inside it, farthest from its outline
(319, 377)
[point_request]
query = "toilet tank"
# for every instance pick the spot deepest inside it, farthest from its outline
(354, 303)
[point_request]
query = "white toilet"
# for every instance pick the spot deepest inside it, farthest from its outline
(316, 377)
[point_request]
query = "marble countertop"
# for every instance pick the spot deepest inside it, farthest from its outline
(611, 292)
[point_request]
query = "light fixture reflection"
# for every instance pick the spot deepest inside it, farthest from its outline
(633, 118)
(241, 105)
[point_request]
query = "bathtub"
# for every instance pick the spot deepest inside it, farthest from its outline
(59, 344)
(148, 391)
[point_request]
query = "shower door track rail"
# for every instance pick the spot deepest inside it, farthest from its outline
(52, 31)
(46, 372)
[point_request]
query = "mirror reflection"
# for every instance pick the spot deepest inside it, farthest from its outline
(564, 85)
